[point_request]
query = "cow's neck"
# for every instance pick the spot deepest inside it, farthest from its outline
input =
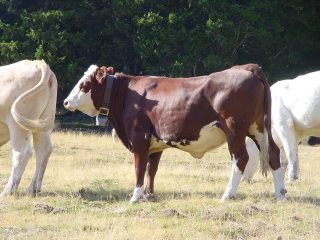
(118, 94)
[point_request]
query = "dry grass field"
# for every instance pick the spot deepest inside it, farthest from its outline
(89, 179)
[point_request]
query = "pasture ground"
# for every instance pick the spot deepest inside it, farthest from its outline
(89, 179)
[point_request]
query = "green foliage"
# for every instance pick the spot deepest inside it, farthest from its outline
(171, 38)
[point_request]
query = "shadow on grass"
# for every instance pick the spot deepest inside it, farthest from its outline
(123, 195)
(304, 199)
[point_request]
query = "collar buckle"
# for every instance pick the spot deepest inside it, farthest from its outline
(104, 111)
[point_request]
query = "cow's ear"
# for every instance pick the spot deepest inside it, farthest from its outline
(101, 74)
(110, 70)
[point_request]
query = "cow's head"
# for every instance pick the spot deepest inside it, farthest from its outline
(87, 95)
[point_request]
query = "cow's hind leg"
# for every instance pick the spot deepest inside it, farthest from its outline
(289, 150)
(152, 168)
(277, 172)
(239, 155)
(21, 153)
(43, 149)
(270, 157)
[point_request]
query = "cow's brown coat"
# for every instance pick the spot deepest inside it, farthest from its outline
(175, 110)
(150, 114)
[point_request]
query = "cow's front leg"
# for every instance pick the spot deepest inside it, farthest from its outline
(152, 168)
(289, 152)
(141, 152)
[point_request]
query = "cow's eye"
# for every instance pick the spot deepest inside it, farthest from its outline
(85, 87)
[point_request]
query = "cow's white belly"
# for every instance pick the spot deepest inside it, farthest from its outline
(210, 137)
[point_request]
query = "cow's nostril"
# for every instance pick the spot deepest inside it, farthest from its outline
(65, 103)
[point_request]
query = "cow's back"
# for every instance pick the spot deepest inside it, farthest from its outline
(301, 97)
(28, 94)
(15, 79)
(184, 112)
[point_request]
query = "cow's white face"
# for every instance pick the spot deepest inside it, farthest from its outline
(80, 96)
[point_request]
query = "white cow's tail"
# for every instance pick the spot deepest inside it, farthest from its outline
(34, 125)
(264, 159)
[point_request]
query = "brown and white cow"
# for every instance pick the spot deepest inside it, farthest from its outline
(195, 115)
(27, 106)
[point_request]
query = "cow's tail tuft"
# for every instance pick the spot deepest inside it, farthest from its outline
(34, 125)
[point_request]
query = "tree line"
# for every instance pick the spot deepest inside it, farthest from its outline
(162, 37)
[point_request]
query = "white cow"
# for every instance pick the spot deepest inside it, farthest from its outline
(295, 115)
(27, 106)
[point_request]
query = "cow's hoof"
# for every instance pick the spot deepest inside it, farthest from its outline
(281, 195)
(149, 197)
(246, 179)
(291, 180)
(133, 201)
(32, 192)
(227, 198)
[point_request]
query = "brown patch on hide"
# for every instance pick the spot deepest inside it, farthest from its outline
(50, 82)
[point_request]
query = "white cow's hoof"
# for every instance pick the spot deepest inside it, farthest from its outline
(133, 201)
(227, 197)
(281, 195)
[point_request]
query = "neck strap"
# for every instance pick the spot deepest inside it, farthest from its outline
(104, 109)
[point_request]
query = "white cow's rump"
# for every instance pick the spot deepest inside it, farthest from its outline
(295, 116)
(27, 106)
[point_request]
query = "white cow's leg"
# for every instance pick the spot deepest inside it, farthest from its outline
(283, 127)
(21, 153)
(289, 152)
(234, 181)
(254, 156)
(293, 170)
(284, 160)
(114, 135)
(43, 149)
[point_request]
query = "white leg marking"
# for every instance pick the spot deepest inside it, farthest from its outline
(233, 182)
(293, 170)
(137, 193)
(278, 178)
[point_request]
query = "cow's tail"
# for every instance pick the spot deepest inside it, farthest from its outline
(34, 125)
(267, 135)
